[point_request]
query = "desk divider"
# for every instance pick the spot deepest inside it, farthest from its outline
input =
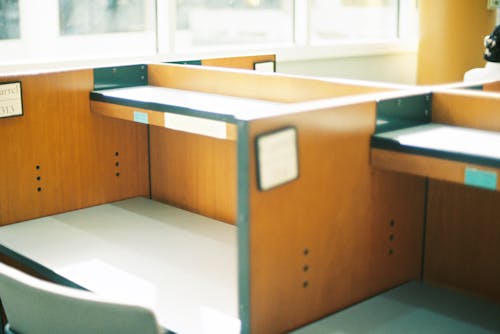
(467, 108)
(240, 62)
(60, 157)
(463, 234)
(338, 234)
(493, 86)
(199, 173)
(262, 86)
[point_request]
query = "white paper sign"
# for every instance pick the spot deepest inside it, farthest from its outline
(10, 100)
(277, 158)
(200, 126)
(265, 66)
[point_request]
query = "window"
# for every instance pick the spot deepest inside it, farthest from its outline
(202, 23)
(9, 19)
(56, 31)
(78, 17)
(334, 20)
(70, 30)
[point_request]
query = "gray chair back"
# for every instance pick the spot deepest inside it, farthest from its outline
(34, 306)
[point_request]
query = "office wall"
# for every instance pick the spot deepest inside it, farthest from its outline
(395, 68)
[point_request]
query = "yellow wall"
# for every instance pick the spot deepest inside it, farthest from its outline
(451, 38)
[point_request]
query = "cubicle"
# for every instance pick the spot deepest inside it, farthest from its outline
(457, 146)
(234, 200)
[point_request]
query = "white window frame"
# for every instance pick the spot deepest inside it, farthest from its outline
(159, 43)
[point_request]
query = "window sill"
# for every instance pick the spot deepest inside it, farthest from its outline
(283, 54)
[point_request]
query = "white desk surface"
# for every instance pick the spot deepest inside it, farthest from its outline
(181, 265)
(448, 138)
(239, 107)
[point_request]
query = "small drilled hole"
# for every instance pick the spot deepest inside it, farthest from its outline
(305, 284)
(117, 174)
(306, 251)
(392, 223)
(306, 268)
(39, 189)
(391, 237)
(391, 251)
(117, 164)
(117, 154)
(38, 178)
(37, 167)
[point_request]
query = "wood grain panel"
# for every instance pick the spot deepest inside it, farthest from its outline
(323, 242)
(463, 234)
(474, 109)
(492, 86)
(60, 157)
(265, 86)
(242, 62)
(194, 172)
(440, 169)
(126, 112)
(463, 238)
(156, 118)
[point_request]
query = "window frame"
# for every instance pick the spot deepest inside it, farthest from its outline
(161, 39)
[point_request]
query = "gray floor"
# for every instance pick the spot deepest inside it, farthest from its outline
(413, 308)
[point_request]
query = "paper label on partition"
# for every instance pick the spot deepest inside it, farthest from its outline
(480, 178)
(264, 66)
(197, 125)
(141, 117)
(277, 158)
(10, 99)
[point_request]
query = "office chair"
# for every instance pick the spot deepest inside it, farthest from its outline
(34, 306)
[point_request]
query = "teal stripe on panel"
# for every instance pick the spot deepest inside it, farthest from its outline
(243, 224)
(480, 178)
(185, 62)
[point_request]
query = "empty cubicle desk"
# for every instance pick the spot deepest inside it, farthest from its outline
(457, 146)
(200, 171)
(306, 245)
(310, 246)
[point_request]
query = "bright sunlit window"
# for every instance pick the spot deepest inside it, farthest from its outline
(34, 31)
(237, 22)
(77, 17)
(334, 20)
(9, 19)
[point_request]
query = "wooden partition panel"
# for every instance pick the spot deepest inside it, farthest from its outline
(243, 62)
(199, 173)
(463, 230)
(60, 157)
(468, 108)
(463, 238)
(492, 86)
(339, 233)
(265, 86)
(193, 172)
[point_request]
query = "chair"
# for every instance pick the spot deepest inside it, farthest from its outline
(35, 306)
